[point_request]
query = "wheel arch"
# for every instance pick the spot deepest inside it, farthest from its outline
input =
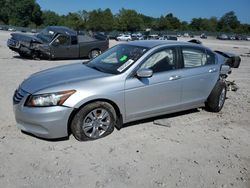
(114, 105)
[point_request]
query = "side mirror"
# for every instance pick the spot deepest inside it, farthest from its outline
(144, 73)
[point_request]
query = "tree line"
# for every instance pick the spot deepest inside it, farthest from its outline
(27, 13)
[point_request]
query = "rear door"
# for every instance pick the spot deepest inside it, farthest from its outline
(199, 74)
(146, 97)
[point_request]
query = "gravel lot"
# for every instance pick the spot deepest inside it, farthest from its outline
(190, 149)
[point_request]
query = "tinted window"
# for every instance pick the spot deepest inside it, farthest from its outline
(73, 40)
(194, 57)
(210, 58)
(64, 40)
(161, 61)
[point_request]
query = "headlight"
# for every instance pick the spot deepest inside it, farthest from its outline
(49, 99)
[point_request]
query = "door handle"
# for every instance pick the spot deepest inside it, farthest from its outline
(175, 77)
(212, 70)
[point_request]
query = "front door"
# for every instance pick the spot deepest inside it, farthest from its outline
(61, 48)
(145, 97)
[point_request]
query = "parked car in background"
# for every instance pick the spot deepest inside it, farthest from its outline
(124, 37)
(168, 37)
(203, 36)
(128, 82)
(11, 29)
(185, 35)
(33, 31)
(134, 37)
(112, 35)
(4, 28)
(153, 37)
(222, 37)
(58, 42)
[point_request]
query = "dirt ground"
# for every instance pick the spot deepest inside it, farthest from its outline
(189, 149)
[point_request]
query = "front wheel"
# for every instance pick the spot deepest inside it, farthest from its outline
(217, 97)
(94, 121)
(24, 55)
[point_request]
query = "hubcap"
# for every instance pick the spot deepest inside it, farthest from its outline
(222, 97)
(94, 53)
(96, 123)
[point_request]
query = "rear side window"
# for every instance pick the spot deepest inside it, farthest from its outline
(73, 40)
(193, 57)
(210, 58)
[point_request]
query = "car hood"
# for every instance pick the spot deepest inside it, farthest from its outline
(26, 37)
(60, 76)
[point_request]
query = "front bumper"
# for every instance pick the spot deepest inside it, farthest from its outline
(43, 122)
(11, 43)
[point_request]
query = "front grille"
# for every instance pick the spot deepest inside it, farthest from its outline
(18, 95)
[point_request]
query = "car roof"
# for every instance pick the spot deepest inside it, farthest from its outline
(154, 43)
(62, 30)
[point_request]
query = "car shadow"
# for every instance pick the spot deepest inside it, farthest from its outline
(46, 139)
(19, 57)
(167, 116)
(126, 125)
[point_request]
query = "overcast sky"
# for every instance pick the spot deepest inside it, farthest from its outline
(183, 9)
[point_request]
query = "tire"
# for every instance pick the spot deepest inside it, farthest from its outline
(87, 124)
(217, 97)
(35, 55)
(24, 55)
(94, 53)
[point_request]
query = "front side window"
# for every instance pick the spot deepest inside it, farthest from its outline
(161, 61)
(194, 57)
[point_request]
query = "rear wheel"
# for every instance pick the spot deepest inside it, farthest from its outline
(94, 53)
(217, 97)
(94, 121)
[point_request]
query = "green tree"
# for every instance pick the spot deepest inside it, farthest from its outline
(147, 21)
(84, 16)
(50, 18)
(100, 20)
(129, 20)
(228, 22)
(22, 13)
(174, 22)
(3, 12)
(73, 21)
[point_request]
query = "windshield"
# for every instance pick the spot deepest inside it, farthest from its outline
(117, 59)
(46, 35)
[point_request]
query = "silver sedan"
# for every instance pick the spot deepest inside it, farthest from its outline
(128, 82)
